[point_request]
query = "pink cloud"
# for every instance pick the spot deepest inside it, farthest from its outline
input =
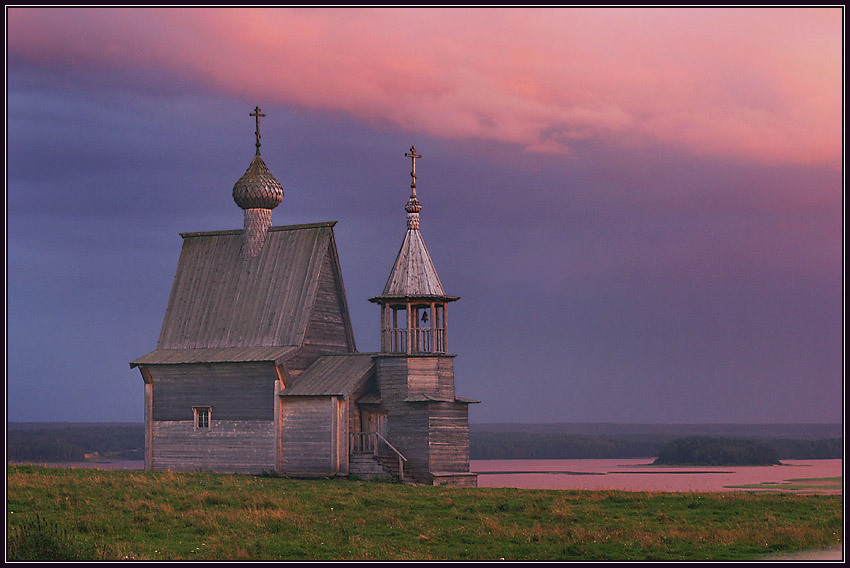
(751, 84)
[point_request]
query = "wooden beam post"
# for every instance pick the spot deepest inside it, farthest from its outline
(409, 329)
(433, 329)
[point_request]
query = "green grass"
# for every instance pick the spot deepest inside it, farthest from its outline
(88, 514)
(802, 484)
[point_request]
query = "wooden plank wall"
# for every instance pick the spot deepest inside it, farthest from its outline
(330, 323)
(241, 437)
(148, 425)
(431, 375)
(307, 435)
(449, 437)
(433, 436)
(235, 391)
(228, 446)
(407, 424)
(354, 420)
(326, 330)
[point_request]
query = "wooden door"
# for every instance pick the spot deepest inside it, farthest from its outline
(374, 421)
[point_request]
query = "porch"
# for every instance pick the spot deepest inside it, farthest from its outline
(381, 451)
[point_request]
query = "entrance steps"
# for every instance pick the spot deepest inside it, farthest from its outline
(364, 464)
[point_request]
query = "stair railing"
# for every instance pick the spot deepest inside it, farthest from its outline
(401, 458)
(368, 442)
(364, 442)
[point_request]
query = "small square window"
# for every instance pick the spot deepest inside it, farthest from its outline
(202, 417)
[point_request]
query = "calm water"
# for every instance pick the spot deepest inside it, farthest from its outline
(640, 475)
(624, 474)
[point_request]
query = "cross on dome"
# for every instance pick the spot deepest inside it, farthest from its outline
(257, 114)
(413, 155)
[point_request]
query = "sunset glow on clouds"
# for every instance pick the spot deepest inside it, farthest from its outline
(640, 208)
(760, 85)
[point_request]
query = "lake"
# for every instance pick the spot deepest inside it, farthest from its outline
(641, 475)
(623, 474)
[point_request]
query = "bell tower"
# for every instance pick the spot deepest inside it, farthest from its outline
(413, 303)
(425, 420)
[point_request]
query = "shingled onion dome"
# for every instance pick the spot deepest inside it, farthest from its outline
(257, 192)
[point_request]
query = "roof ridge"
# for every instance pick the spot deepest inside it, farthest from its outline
(277, 228)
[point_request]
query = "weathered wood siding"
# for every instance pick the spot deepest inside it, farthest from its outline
(449, 437)
(354, 418)
(148, 424)
(408, 376)
(313, 436)
(237, 446)
(433, 376)
(235, 391)
(433, 436)
(241, 436)
(328, 328)
(407, 430)
(407, 424)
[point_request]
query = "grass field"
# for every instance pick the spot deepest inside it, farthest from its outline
(88, 514)
(803, 485)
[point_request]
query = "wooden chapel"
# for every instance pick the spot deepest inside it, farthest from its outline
(256, 367)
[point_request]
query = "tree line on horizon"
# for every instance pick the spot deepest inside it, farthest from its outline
(525, 445)
(126, 441)
(707, 450)
(72, 443)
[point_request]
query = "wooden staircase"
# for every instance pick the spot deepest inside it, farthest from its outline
(371, 455)
(366, 465)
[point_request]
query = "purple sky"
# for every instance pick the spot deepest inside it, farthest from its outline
(641, 210)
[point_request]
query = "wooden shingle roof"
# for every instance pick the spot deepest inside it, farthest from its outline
(332, 375)
(220, 300)
(413, 273)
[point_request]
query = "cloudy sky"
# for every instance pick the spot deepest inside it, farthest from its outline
(641, 209)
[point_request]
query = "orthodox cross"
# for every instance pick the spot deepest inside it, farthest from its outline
(413, 155)
(258, 114)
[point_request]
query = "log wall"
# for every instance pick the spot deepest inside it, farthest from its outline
(449, 437)
(407, 423)
(313, 436)
(234, 391)
(228, 446)
(433, 436)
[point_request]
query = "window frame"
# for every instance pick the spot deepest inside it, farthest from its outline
(203, 417)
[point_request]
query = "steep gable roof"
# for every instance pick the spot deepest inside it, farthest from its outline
(219, 299)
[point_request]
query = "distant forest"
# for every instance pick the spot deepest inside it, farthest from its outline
(57, 442)
(708, 450)
(525, 445)
(63, 442)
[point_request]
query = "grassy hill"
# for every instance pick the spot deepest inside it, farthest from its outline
(86, 514)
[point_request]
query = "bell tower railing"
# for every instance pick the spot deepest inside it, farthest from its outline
(413, 327)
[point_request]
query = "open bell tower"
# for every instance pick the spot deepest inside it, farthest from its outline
(425, 420)
(413, 303)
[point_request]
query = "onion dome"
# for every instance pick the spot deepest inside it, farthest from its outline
(257, 192)
(257, 188)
